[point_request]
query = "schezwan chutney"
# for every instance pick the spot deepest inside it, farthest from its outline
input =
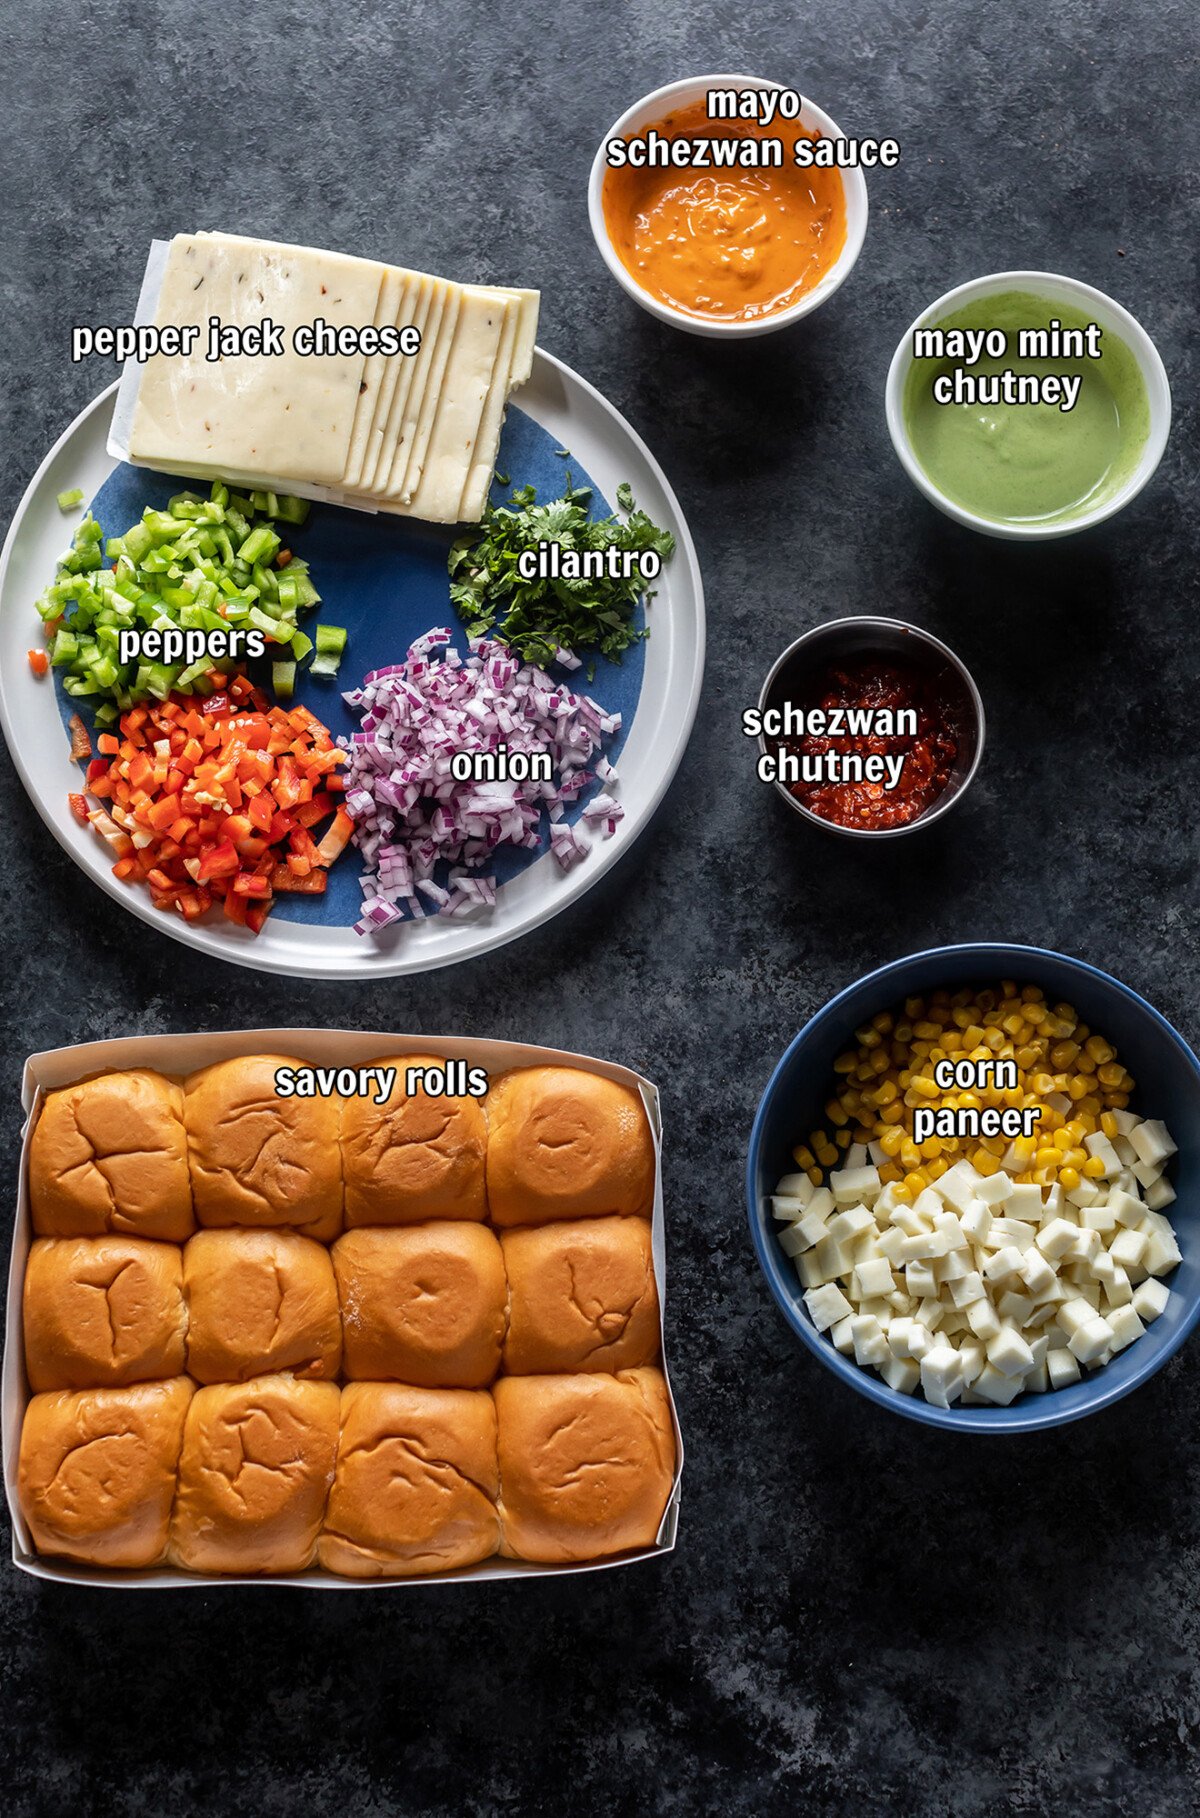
(929, 699)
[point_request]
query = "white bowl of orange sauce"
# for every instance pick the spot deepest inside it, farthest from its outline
(727, 250)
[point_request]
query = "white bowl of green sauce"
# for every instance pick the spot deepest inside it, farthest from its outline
(1068, 439)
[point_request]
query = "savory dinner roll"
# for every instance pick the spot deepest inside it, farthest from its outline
(100, 1311)
(416, 1483)
(255, 1472)
(565, 1143)
(96, 1475)
(260, 1301)
(586, 1463)
(582, 1296)
(422, 1303)
(415, 1156)
(258, 1159)
(109, 1154)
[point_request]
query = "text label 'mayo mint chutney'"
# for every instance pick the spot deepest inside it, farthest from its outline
(1026, 462)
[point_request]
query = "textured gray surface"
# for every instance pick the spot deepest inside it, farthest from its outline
(861, 1616)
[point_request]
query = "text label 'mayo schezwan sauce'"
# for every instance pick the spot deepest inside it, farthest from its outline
(925, 712)
(729, 244)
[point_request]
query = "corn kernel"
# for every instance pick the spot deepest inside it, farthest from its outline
(1111, 1073)
(902, 1193)
(930, 1147)
(1093, 1167)
(836, 1113)
(1048, 1157)
(985, 1163)
(889, 1173)
(1108, 1124)
(1068, 1179)
(845, 1063)
(815, 1175)
(937, 1167)
(916, 1180)
(1101, 1051)
(804, 1157)
(842, 1138)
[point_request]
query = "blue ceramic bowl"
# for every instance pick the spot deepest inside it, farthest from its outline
(1168, 1087)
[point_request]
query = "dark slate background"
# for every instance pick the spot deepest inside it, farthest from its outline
(861, 1616)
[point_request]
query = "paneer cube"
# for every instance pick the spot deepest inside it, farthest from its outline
(1150, 1300)
(826, 1305)
(1009, 1353)
(1091, 1340)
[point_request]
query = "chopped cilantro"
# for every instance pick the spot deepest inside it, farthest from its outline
(537, 618)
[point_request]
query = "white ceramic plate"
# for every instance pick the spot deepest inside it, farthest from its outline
(602, 441)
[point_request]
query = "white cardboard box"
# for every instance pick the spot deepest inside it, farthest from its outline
(181, 1054)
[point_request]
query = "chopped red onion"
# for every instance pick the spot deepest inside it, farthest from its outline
(411, 815)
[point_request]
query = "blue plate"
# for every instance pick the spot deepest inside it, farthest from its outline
(1168, 1087)
(385, 579)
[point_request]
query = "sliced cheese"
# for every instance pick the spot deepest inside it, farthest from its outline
(483, 319)
(394, 292)
(527, 327)
(405, 381)
(474, 494)
(413, 437)
(287, 415)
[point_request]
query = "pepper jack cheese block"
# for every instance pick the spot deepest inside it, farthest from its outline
(415, 434)
(285, 415)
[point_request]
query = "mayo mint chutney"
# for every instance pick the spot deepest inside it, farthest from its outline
(1027, 463)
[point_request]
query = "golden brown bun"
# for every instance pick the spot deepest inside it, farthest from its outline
(260, 1301)
(100, 1311)
(422, 1304)
(109, 1154)
(586, 1463)
(416, 1483)
(413, 1158)
(564, 1143)
(258, 1159)
(97, 1471)
(581, 1297)
(254, 1476)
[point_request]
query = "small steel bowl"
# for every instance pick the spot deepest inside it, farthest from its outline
(885, 640)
